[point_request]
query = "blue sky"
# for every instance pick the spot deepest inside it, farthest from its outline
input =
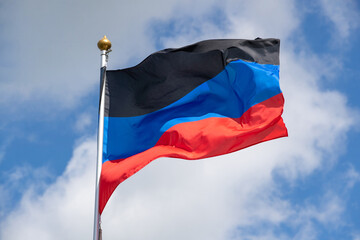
(305, 186)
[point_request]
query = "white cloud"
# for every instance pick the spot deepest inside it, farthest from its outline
(83, 122)
(343, 14)
(328, 212)
(232, 196)
(53, 61)
(251, 19)
(21, 179)
(64, 210)
(243, 19)
(303, 219)
(356, 236)
(352, 177)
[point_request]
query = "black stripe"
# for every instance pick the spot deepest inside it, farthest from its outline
(166, 76)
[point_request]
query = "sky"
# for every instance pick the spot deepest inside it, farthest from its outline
(306, 186)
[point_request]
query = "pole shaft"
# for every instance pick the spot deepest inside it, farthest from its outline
(100, 138)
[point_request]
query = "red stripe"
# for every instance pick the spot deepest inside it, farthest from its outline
(205, 138)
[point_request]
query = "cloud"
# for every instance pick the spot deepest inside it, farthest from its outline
(52, 60)
(83, 122)
(302, 220)
(22, 179)
(356, 236)
(230, 19)
(352, 177)
(64, 210)
(58, 57)
(342, 14)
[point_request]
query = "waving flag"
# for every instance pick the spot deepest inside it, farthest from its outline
(203, 100)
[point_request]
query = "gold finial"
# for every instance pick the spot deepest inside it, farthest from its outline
(104, 44)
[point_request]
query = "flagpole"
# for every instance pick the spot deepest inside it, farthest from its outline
(104, 45)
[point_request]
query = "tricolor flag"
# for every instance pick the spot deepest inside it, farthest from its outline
(203, 100)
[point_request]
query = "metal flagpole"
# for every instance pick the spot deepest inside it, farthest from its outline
(104, 45)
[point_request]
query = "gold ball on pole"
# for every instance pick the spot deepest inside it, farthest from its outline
(104, 44)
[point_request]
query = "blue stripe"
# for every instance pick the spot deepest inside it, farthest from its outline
(238, 87)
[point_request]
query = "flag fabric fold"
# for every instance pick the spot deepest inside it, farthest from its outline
(203, 100)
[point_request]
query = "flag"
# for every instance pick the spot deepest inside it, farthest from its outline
(203, 100)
